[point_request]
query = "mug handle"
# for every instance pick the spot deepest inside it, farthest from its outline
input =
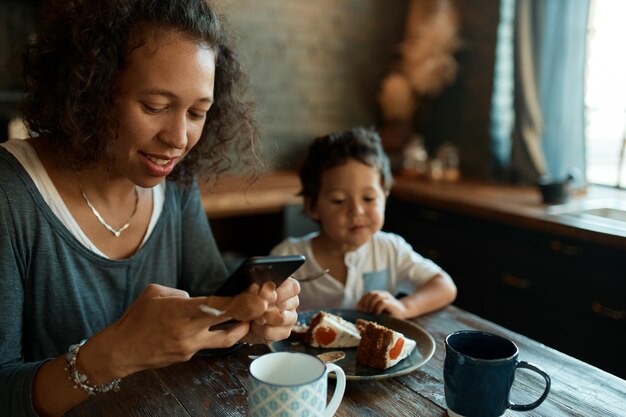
(340, 387)
(544, 374)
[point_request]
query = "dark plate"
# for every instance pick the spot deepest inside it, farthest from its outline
(354, 371)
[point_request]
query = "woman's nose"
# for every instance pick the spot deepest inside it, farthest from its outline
(175, 133)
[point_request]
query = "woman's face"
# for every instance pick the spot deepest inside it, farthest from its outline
(164, 94)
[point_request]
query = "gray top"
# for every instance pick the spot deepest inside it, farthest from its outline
(56, 292)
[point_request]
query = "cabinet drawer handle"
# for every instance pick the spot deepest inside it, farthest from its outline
(516, 282)
(608, 312)
(570, 250)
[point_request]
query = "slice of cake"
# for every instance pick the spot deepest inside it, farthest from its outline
(327, 330)
(298, 332)
(380, 346)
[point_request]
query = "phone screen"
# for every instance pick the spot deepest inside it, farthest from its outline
(258, 270)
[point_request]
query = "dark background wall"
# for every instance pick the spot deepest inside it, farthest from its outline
(17, 20)
(460, 115)
(317, 67)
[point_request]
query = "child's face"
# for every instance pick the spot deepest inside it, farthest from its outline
(351, 205)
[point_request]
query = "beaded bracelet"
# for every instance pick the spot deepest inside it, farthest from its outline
(81, 380)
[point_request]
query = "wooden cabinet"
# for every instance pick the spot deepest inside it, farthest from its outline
(566, 293)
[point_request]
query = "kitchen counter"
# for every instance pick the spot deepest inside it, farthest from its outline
(237, 196)
(515, 205)
(519, 206)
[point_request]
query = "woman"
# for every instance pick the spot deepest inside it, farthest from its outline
(103, 236)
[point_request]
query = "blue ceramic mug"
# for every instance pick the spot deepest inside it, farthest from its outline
(478, 373)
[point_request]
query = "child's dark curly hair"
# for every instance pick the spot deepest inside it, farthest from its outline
(71, 69)
(363, 145)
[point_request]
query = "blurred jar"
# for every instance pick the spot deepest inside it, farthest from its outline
(415, 157)
(435, 169)
(448, 157)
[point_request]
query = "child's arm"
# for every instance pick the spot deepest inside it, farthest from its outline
(438, 292)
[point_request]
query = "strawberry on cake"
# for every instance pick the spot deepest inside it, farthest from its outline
(381, 347)
(327, 330)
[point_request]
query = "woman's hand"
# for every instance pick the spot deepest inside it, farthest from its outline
(251, 304)
(163, 326)
(280, 317)
(380, 301)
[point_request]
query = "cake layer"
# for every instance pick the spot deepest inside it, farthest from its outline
(382, 347)
(327, 330)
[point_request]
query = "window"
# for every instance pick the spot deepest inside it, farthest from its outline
(604, 92)
(502, 111)
(605, 97)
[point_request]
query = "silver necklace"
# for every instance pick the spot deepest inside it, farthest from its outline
(116, 232)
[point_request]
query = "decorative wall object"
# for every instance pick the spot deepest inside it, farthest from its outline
(426, 65)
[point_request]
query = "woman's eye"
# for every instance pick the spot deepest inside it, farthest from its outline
(153, 110)
(369, 199)
(194, 115)
(336, 200)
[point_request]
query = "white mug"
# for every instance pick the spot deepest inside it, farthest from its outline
(287, 384)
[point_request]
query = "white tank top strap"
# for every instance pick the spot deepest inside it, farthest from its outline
(27, 157)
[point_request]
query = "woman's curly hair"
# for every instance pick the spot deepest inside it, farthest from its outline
(71, 70)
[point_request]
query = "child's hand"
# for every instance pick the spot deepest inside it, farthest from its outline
(380, 301)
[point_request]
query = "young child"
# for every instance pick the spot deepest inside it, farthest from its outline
(345, 182)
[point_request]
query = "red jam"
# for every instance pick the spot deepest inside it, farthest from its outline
(325, 335)
(396, 350)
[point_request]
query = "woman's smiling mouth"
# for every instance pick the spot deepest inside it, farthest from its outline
(158, 161)
(158, 165)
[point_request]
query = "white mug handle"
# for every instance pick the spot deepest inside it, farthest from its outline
(340, 387)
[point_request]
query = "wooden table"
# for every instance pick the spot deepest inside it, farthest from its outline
(217, 386)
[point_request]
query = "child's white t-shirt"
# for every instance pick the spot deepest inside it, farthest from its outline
(385, 262)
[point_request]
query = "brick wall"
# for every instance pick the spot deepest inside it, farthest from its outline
(315, 65)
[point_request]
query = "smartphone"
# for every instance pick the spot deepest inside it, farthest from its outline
(260, 269)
